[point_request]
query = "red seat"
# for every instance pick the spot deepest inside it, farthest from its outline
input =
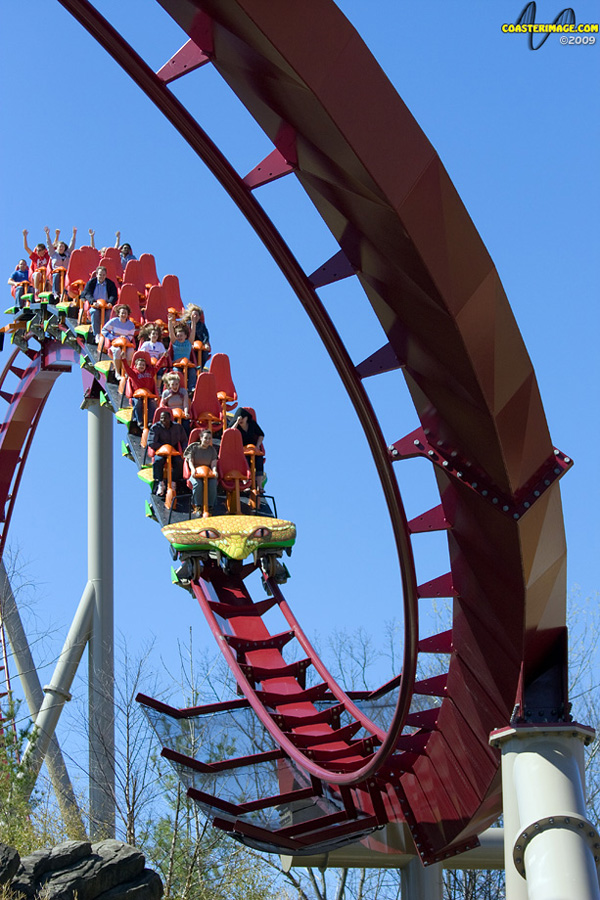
(205, 408)
(176, 414)
(148, 269)
(157, 306)
(140, 392)
(139, 354)
(91, 259)
(77, 273)
(159, 409)
(195, 434)
(111, 270)
(181, 366)
(226, 392)
(114, 254)
(232, 468)
(170, 285)
(133, 275)
(130, 295)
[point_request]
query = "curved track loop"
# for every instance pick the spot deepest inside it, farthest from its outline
(306, 292)
(25, 406)
(337, 123)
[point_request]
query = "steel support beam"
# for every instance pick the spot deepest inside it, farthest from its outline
(101, 645)
(34, 697)
(57, 693)
(420, 882)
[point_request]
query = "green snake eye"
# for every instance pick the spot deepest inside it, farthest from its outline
(210, 534)
(261, 533)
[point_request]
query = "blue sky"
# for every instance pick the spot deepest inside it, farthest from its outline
(518, 132)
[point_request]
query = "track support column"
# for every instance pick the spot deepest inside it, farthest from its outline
(101, 645)
(551, 849)
(420, 882)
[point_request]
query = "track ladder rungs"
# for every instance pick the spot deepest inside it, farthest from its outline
(362, 748)
(260, 673)
(432, 687)
(231, 610)
(311, 740)
(437, 643)
(272, 698)
(425, 719)
(330, 716)
(246, 645)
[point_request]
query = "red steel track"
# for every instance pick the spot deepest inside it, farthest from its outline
(338, 125)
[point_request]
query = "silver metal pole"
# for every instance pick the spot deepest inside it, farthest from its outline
(57, 693)
(420, 882)
(34, 697)
(554, 846)
(101, 645)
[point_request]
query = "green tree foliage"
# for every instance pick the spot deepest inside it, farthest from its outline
(17, 812)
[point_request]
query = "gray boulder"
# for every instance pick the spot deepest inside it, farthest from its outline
(109, 869)
(9, 863)
(147, 887)
(39, 863)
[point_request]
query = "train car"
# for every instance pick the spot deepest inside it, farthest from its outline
(242, 521)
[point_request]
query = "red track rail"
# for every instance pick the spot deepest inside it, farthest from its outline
(404, 232)
(25, 407)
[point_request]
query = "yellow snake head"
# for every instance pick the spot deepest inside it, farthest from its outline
(235, 536)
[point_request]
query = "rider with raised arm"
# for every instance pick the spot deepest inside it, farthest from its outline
(39, 259)
(60, 254)
(125, 250)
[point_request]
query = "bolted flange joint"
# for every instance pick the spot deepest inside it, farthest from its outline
(570, 821)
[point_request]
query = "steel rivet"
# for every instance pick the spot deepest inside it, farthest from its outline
(567, 460)
(505, 508)
(494, 499)
(527, 504)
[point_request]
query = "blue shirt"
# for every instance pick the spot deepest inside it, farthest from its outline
(17, 275)
(181, 349)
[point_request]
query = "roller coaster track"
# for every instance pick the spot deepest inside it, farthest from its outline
(339, 127)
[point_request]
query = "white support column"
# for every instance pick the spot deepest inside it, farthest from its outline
(34, 696)
(421, 882)
(551, 848)
(101, 646)
(57, 692)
